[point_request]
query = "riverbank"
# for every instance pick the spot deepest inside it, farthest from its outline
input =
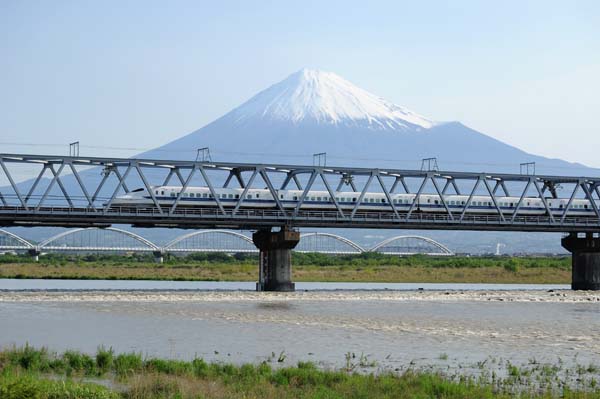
(39, 373)
(306, 268)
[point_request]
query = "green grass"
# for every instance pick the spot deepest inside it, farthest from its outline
(27, 372)
(30, 386)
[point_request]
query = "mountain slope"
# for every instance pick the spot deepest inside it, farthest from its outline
(313, 111)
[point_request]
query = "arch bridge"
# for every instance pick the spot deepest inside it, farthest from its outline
(116, 240)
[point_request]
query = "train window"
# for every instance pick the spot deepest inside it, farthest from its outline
(249, 197)
(237, 196)
(205, 195)
(428, 200)
(192, 195)
(280, 196)
(560, 206)
(295, 198)
(172, 194)
(318, 198)
(512, 204)
(353, 199)
(436, 202)
(156, 192)
(585, 206)
(257, 195)
(383, 200)
(162, 193)
(230, 196)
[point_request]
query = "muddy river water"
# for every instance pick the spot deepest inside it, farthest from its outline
(395, 326)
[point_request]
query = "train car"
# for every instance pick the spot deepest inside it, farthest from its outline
(201, 197)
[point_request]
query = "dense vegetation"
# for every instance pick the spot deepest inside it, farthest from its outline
(306, 259)
(36, 373)
(367, 267)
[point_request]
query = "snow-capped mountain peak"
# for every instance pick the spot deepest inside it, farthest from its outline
(326, 98)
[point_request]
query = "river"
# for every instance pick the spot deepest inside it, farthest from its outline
(395, 325)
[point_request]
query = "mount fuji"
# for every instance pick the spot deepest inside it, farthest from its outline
(313, 111)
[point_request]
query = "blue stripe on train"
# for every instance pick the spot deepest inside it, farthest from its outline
(460, 207)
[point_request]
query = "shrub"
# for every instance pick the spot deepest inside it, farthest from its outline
(128, 363)
(104, 359)
(173, 367)
(79, 362)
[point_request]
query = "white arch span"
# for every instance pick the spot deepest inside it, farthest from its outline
(445, 250)
(45, 244)
(344, 240)
(171, 244)
(26, 244)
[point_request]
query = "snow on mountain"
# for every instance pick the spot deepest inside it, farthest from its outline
(324, 97)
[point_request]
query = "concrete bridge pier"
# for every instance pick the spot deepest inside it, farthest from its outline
(159, 256)
(275, 260)
(35, 254)
(586, 260)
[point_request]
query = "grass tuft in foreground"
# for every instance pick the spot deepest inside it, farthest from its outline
(28, 372)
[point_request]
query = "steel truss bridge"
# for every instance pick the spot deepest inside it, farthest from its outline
(79, 191)
(88, 240)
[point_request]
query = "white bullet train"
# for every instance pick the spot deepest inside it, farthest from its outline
(201, 197)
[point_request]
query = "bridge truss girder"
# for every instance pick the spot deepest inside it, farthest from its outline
(20, 205)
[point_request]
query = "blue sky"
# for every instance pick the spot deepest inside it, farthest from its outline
(137, 74)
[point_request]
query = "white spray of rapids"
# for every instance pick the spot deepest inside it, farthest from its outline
(563, 296)
(326, 98)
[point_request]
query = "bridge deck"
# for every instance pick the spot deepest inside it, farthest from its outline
(257, 218)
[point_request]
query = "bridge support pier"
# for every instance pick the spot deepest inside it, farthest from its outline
(275, 261)
(159, 256)
(586, 261)
(35, 254)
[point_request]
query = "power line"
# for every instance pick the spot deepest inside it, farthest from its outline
(280, 155)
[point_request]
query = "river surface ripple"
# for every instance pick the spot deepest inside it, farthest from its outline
(447, 328)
